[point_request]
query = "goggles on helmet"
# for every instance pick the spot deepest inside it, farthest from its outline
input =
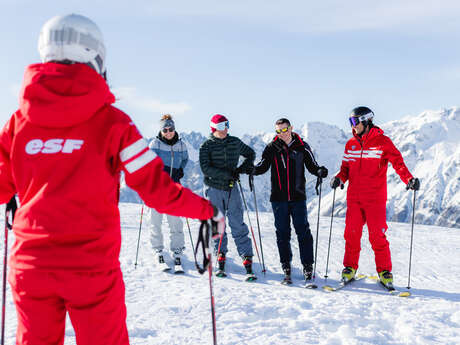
(355, 120)
(222, 125)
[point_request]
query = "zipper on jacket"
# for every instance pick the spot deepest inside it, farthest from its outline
(278, 172)
(172, 162)
(287, 169)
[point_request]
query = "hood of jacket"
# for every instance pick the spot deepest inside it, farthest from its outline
(58, 95)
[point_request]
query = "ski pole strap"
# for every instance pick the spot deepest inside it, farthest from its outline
(251, 182)
(203, 242)
(318, 183)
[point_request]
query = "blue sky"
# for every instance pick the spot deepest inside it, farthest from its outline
(256, 61)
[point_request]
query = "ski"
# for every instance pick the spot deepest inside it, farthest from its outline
(286, 281)
(343, 283)
(390, 288)
(310, 285)
(250, 277)
(178, 269)
(221, 274)
(164, 267)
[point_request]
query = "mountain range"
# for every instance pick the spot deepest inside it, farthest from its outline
(429, 143)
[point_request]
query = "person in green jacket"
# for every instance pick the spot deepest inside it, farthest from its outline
(219, 157)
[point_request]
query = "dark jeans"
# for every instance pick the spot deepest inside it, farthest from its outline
(283, 212)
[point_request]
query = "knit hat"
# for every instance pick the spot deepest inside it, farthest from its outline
(167, 122)
(218, 118)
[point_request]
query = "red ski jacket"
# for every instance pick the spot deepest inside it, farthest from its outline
(365, 163)
(62, 152)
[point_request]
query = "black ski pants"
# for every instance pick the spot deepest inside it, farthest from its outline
(283, 212)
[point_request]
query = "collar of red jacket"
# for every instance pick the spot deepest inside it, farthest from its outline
(373, 132)
(58, 95)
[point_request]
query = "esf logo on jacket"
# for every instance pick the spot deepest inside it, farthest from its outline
(53, 146)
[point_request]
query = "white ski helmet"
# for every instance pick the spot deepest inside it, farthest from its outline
(72, 38)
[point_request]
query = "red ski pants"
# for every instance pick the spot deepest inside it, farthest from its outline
(95, 303)
(374, 214)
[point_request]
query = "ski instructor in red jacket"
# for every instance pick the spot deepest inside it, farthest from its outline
(364, 166)
(62, 153)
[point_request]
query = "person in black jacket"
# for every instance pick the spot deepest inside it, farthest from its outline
(288, 155)
(219, 158)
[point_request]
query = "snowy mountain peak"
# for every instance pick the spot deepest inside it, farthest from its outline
(429, 143)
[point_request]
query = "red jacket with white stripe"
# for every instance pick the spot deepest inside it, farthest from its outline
(365, 163)
(62, 152)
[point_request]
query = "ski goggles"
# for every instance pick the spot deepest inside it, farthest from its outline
(282, 130)
(221, 125)
(354, 121)
(168, 129)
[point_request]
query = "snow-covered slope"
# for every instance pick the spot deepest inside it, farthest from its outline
(175, 309)
(429, 142)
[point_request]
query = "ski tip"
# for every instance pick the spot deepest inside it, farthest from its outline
(328, 288)
(404, 294)
(311, 286)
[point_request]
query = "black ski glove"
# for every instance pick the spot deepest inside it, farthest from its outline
(321, 172)
(414, 184)
(217, 222)
(11, 206)
(180, 173)
(236, 174)
(335, 182)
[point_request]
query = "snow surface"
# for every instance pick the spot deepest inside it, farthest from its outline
(164, 308)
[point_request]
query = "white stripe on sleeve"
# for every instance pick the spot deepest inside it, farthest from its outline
(133, 149)
(140, 161)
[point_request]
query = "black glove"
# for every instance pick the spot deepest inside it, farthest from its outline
(180, 173)
(321, 172)
(236, 174)
(11, 206)
(414, 184)
(250, 170)
(217, 222)
(335, 182)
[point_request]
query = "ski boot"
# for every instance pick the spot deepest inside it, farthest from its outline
(221, 265)
(161, 262)
(250, 276)
(287, 280)
(386, 279)
(308, 271)
(348, 274)
(178, 268)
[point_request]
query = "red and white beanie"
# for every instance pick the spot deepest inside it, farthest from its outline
(218, 118)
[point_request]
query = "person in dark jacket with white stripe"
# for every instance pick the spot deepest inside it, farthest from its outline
(287, 156)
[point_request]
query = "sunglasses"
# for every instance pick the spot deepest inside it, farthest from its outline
(282, 130)
(222, 125)
(166, 130)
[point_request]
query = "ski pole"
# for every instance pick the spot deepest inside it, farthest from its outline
(190, 234)
(203, 240)
(253, 189)
(411, 239)
(249, 220)
(319, 183)
(5, 255)
(330, 234)
(139, 236)
(9, 209)
(213, 309)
